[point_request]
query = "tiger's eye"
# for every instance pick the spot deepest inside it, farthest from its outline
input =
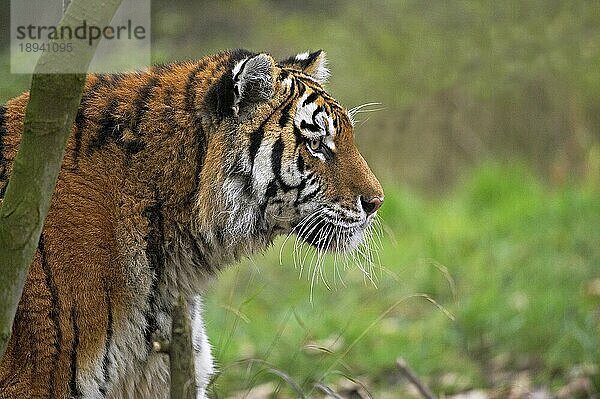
(315, 144)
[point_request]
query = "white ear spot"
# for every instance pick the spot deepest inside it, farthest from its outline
(302, 56)
(252, 82)
(312, 64)
(321, 72)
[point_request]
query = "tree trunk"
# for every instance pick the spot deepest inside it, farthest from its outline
(53, 102)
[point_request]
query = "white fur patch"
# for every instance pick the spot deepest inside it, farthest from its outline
(302, 56)
(287, 82)
(203, 361)
(322, 72)
(242, 216)
(262, 172)
(328, 141)
(289, 171)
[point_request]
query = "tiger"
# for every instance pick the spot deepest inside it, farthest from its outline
(170, 174)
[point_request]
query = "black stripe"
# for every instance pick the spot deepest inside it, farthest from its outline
(300, 163)
(283, 74)
(219, 97)
(316, 112)
(271, 191)
(258, 134)
(140, 104)
(80, 117)
(301, 64)
(310, 126)
(301, 87)
(315, 88)
(309, 196)
(79, 127)
(305, 62)
(3, 166)
(73, 388)
(255, 140)
(284, 119)
(198, 254)
(292, 87)
(115, 78)
(190, 105)
(140, 107)
(54, 312)
(190, 89)
(311, 97)
(103, 81)
(201, 146)
(109, 334)
(300, 187)
(276, 159)
(327, 153)
(132, 147)
(109, 128)
(169, 110)
(288, 62)
(155, 253)
(298, 134)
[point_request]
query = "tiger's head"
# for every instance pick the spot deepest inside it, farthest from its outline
(290, 162)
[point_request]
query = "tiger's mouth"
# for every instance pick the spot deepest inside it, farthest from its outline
(332, 237)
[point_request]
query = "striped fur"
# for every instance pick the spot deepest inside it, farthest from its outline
(169, 175)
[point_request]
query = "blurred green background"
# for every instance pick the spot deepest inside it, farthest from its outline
(488, 145)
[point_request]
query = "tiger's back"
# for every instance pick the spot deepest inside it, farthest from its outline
(168, 175)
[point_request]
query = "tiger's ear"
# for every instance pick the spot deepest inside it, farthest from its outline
(252, 83)
(312, 64)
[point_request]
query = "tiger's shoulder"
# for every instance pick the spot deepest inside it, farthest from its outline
(122, 115)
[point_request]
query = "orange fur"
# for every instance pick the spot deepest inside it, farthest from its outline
(141, 211)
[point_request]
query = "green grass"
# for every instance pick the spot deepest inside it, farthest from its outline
(507, 260)
(460, 82)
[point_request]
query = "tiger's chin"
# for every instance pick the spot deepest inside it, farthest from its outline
(335, 238)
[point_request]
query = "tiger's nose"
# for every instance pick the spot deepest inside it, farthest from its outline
(371, 205)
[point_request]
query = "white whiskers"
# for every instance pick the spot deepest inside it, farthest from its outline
(361, 109)
(325, 234)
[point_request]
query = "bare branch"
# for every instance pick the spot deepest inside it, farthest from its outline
(412, 377)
